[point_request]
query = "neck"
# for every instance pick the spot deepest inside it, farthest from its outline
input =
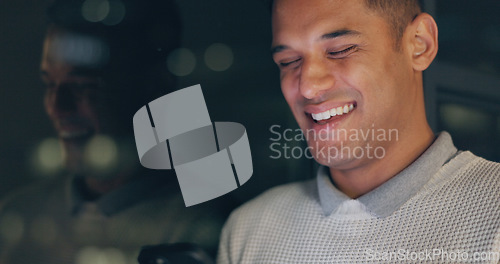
(362, 179)
(95, 187)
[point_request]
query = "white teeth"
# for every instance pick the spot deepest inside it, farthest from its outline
(340, 110)
(333, 112)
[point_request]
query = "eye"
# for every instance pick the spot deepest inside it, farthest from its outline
(343, 53)
(288, 63)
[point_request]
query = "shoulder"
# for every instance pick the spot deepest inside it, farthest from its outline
(477, 170)
(35, 197)
(468, 198)
(486, 167)
(482, 178)
(469, 170)
(467, 183)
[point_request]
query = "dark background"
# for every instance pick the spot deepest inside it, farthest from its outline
(247, 92)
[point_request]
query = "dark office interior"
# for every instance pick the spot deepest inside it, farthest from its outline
(242, 84)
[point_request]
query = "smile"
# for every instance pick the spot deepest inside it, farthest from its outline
(338, 111)
(73, 134)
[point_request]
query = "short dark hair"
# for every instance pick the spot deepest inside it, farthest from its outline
(398, 13)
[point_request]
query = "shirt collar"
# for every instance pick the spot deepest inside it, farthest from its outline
(388, 197)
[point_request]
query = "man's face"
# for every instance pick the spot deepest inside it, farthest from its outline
(74, 100)
(341, 77)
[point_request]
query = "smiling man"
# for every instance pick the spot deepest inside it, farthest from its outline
(351, 68)
(97, 75)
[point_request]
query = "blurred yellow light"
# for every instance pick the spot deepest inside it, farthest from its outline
(462, 118)
(48, 157)
(218, 57)
(95, 10)
(181, 62)
(101, 153)
(116, 13)
(11, 228)
(93, 255)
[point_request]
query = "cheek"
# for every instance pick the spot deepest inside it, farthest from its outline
(104, 111)
(48, 104)
(91, 107)
(89, 110)
(370, 78)
(379, 97)
(290, 90)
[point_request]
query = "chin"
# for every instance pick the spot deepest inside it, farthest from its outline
(340, 161)
(336, 154)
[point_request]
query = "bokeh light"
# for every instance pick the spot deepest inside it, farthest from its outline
(48, 157)
(116, 13)
(219, 57)
(95, 10)
(181, 62)
(11, 228)
(101, 153)
(460, 118)
(93, 255)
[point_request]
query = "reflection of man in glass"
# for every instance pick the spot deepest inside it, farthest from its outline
(387, 188)
(97, 74)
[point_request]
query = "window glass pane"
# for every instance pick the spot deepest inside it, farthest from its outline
(472, 129)
(469, 33)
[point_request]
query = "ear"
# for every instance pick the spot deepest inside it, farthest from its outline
(422, 40)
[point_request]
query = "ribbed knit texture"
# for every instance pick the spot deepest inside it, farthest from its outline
(456, 211)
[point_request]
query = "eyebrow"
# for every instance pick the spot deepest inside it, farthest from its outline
(331, 35)
(278, 48)
(340, 33)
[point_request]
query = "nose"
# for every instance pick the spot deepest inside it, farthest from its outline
(60, 100)
(315, 77)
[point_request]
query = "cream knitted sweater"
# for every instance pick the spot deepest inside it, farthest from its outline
(444, 208)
